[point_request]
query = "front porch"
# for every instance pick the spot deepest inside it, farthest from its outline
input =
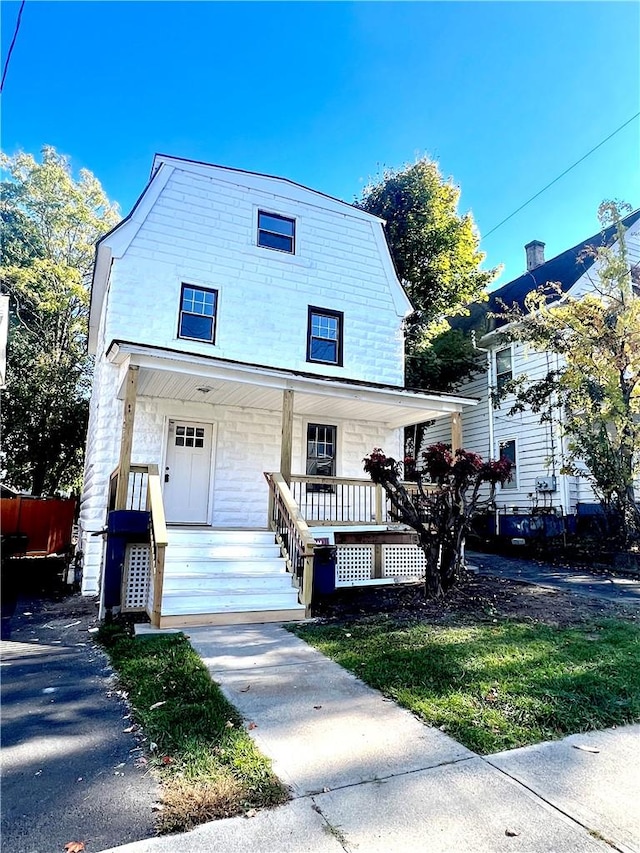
(301, 512)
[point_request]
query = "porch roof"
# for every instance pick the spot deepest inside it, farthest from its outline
(176, 375)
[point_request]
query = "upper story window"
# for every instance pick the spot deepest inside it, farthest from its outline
(324, 336)
(198, 309)
(508, 451)
(276, 232)
(504, 367)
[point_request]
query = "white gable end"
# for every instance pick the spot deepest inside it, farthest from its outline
(197, 226)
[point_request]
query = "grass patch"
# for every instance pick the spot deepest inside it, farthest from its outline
(206, 761)
(495, 686)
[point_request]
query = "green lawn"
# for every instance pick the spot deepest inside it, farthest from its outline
(496, 686)
(194, 739)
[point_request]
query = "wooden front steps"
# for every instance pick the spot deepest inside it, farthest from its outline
(225, 577)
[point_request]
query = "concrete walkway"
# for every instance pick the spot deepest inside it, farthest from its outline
(367, 776)
(603, 586)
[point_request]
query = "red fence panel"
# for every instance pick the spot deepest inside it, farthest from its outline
(47, 522)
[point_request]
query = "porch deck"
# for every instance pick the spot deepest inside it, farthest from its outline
(196, 575)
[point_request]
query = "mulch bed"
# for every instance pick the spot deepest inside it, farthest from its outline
(476, 599)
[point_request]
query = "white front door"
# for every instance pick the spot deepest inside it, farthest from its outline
(187, 473)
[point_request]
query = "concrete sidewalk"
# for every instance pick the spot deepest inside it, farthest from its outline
(367, 776)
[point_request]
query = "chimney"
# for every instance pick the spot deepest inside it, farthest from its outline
(535, 254)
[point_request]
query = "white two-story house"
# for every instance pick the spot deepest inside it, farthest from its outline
(248, 345)
(538, 487)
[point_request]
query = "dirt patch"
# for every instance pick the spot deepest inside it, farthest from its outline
(476, 599)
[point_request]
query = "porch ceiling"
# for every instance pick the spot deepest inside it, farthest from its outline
(189, 378)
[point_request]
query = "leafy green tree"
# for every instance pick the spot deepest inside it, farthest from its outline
(596, 389)
(437, 259)
(51, 222)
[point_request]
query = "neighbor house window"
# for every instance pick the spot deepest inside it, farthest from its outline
(324, 336)
(276, 232)
(198, 309)
(321, 455)
(504, 368)
(508, 451)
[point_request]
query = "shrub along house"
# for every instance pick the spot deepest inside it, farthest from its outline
(247, 333)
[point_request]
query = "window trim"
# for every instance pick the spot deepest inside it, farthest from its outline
(290, 219)
(336, 315)
(511, 485)
(508, 348)
(214, 329)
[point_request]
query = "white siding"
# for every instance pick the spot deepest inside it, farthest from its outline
(247, 443)
(538, 446)
(203, 231)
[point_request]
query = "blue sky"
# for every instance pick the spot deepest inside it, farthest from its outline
(504, 95)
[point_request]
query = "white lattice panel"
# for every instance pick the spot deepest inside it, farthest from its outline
(402, 561)
(136, 577)
(354, 564)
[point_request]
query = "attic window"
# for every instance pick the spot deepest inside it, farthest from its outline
(276, 232)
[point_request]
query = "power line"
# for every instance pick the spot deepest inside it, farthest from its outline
(11, 46)
(551, 183)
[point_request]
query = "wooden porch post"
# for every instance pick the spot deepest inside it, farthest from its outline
(124, 465)
(456, 431)
(286, 446)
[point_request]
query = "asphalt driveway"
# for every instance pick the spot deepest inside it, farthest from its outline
(579, 581)
(69, 770)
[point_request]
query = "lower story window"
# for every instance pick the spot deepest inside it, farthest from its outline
(198, 309)
(321, 455)
(508, 451)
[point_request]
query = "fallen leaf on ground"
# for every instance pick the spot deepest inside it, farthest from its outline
(585, 748)
(252, 726)
(74, 846)
(166, 759)
(157, 705)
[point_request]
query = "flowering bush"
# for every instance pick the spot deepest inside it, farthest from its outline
(442, 517)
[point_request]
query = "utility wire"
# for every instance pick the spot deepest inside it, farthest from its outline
(566, 171)
(11, 46)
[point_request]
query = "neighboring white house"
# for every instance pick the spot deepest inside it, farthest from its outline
(243, 324)
(537, 449)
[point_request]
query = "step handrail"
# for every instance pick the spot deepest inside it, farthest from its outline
(292, 534)
(159, 541)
